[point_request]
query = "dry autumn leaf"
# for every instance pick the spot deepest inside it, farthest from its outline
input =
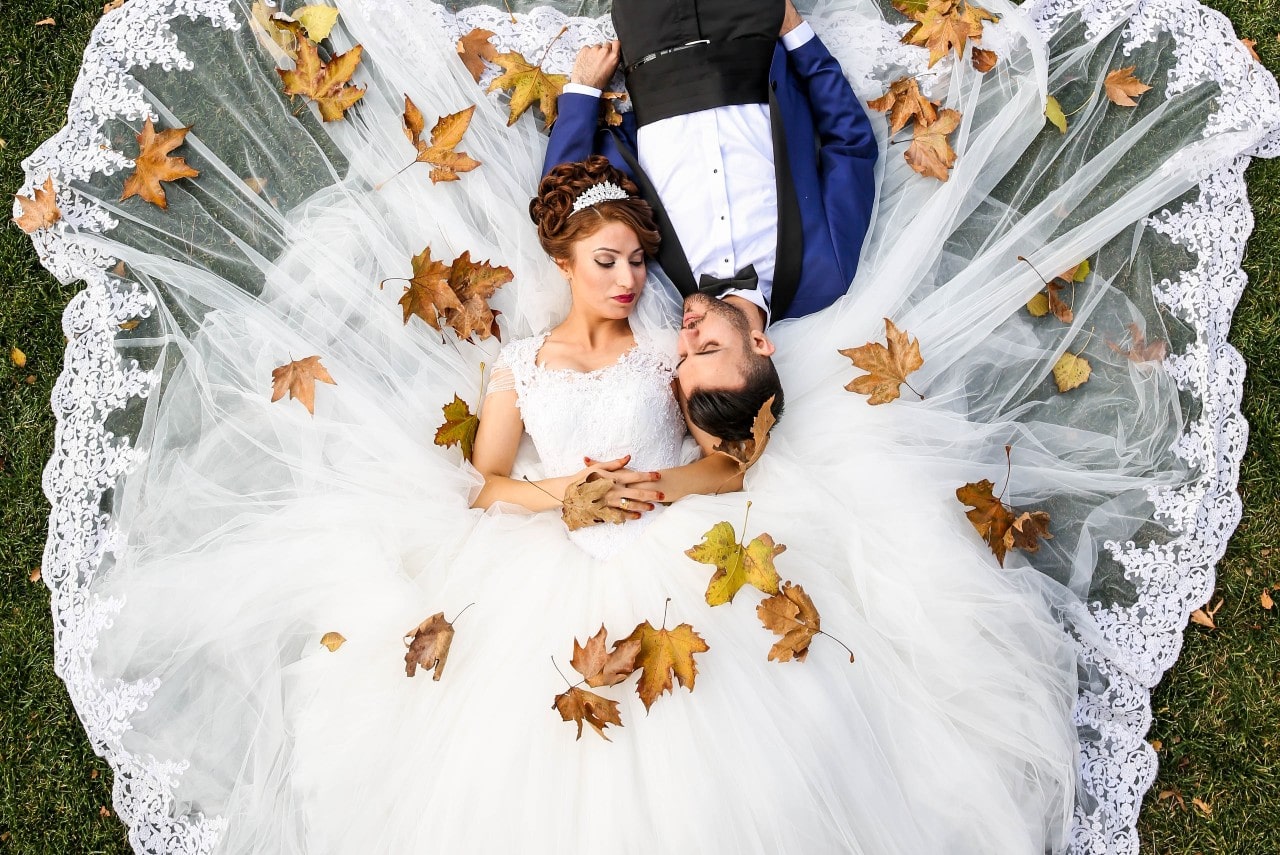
(998, 524)
(34, 575)
(445, 137)
(455, 294)
(1251, 46)
(601, 667)
(945, 26)
(527, 84)
(1175, 794)
(912, 8)
(791, 614)
(46, 22)
(328, 84)
(983, 60)
(1141, 350)
(279, 41)
(930, 153)
(579, 706)
(428, 645)
(1053, 112)
(888, 367)
(317, 21)
(584, 505)
(1202, 806)
(298, 378)
(747, 451)
(735, 564)
(154, 165)
(611, 116)
(1206, 617)
(1071, 371)
(17, 357)
(1121, 86)
(112, 6)
(905, 104)
(665, 652)
(332, 641)
(1266, 601)
(41, 210)
(474, 49)
(459, 427)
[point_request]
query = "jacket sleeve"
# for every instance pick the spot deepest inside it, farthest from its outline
(573, 136)
(847, 148)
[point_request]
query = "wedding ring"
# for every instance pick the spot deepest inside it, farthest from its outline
(623, 503)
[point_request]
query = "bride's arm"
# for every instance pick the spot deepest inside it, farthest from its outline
(494, 455)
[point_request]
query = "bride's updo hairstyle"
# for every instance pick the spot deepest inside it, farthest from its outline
(560, 227)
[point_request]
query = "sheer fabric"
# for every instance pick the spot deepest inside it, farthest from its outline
(169, 455)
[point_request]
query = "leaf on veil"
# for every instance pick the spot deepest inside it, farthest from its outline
(930, 153)
(905, 104)
(317, 21)
(298, 379)
(527, 84)
(154, 165)
(279, 41)
(1000, 525)
(946, 26)
(735, 564)
(1047, 301)
(747, 451)
(1141, 350)
(580, 706)
(1071, 371)
(456, 294)
(428, 646)
(1054, 114)
(791, 614)
(888, 366)
(1122, 86)
(474, 49)
(445, 137)
(584, 505)
(664, 653)
(983, 60)
(913, 9)
(328, 84)
(602, 667)
(332, 641)
(459, 427)
(40, 210)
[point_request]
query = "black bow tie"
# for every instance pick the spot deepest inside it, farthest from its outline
(745, 279)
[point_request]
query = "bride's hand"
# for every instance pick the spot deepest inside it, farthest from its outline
(595, 65)
(625, 495)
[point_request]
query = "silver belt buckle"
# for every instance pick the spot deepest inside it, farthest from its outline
(642, 60)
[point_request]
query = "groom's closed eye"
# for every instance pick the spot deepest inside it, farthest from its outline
(705, 350)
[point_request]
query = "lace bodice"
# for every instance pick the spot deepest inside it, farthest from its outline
(624, 408)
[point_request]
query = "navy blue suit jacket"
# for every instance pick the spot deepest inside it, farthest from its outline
(830, 146)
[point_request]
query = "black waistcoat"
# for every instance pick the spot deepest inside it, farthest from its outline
(683, 56)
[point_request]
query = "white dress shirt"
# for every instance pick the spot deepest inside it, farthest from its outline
(714, 172)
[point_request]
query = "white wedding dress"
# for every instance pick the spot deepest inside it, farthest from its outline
(203, 539)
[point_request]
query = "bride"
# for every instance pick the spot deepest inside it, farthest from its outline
(204, 539)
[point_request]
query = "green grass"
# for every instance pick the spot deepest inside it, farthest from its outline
(1217, 715)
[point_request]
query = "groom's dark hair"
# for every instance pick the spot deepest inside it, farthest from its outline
(728, 414)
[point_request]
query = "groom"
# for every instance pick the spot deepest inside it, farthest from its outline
(758, 161)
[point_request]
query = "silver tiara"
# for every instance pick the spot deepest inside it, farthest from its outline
(594, 195)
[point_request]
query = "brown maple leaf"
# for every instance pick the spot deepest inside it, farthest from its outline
(584, 505)
(1027, 531)
(1121, 86)
(791, 614)
(328, 84)
(888, 367)
(983, 60)
(459, 427)
(154, 165)
(736, 565)
(298, 378)
(456, 295)
(603, 668)
(279, 39)
(1047, 301)
(611, 116)
(665, 652)
(943, 27)
(40, 210)
(1251, 46)
(527, 84)
(904, 104)
(578, 705)
(474, 48)
(1141, 350)
(1000, 525)
(445, 137)
(930, 152)
(428, 645)
(747, 451)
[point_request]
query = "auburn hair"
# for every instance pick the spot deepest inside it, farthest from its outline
(559, 228)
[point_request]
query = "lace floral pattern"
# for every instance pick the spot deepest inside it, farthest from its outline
(1171, 578)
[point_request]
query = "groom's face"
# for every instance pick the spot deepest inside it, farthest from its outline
(714, 346)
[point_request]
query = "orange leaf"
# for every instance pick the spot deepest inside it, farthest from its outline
(747, 451)
(1202, 806)
(41, 210)
(990, 516)
(459, 427)
(888, 367)
(612, 116)
(324, 83)
(428, 645)
(332, 641)
(904, 104)
(664, 653)
(1206, 617)
(602, 668)
(1251, 46)
(1267, 602)
(527, 84)
(584, 505)
(298, 379)
(34, 575)
(456, 294)
(1121, 86)
(154, 165)
(791, 614)
(474, 48)
(1141, 350)
(930, 152)
(579, 705)
(983, 60)
(946, 26)
(445, 136)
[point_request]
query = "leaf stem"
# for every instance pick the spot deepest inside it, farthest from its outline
(1008, 471)
(664, 612)
(561, 673)
(540, 487)
(461, 613)
(551, 43)
(394, 177)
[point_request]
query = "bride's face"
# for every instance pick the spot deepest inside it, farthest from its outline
(606, 271)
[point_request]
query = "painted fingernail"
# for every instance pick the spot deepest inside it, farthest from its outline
(662, 497)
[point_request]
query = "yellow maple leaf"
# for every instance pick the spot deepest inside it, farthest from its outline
(527, 84)
(664, 653)
(445, 137)
(888, 366)
(459, 427)
(328, 84)
(735, 564)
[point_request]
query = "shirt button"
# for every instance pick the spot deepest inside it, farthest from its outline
(715, 172)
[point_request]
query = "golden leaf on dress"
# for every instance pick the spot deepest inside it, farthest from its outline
(475, 49)
(326, 83)
(584, 505)
(154, 165)
(1071, 371)
(747, 451)
(888, 367)
(40, 210)
(332, 641)
(528, 84)
(445, 137)
(580, 706)
(428, 646)
(664, 653)
(736, 565)
(791, 614)
(298, 379)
